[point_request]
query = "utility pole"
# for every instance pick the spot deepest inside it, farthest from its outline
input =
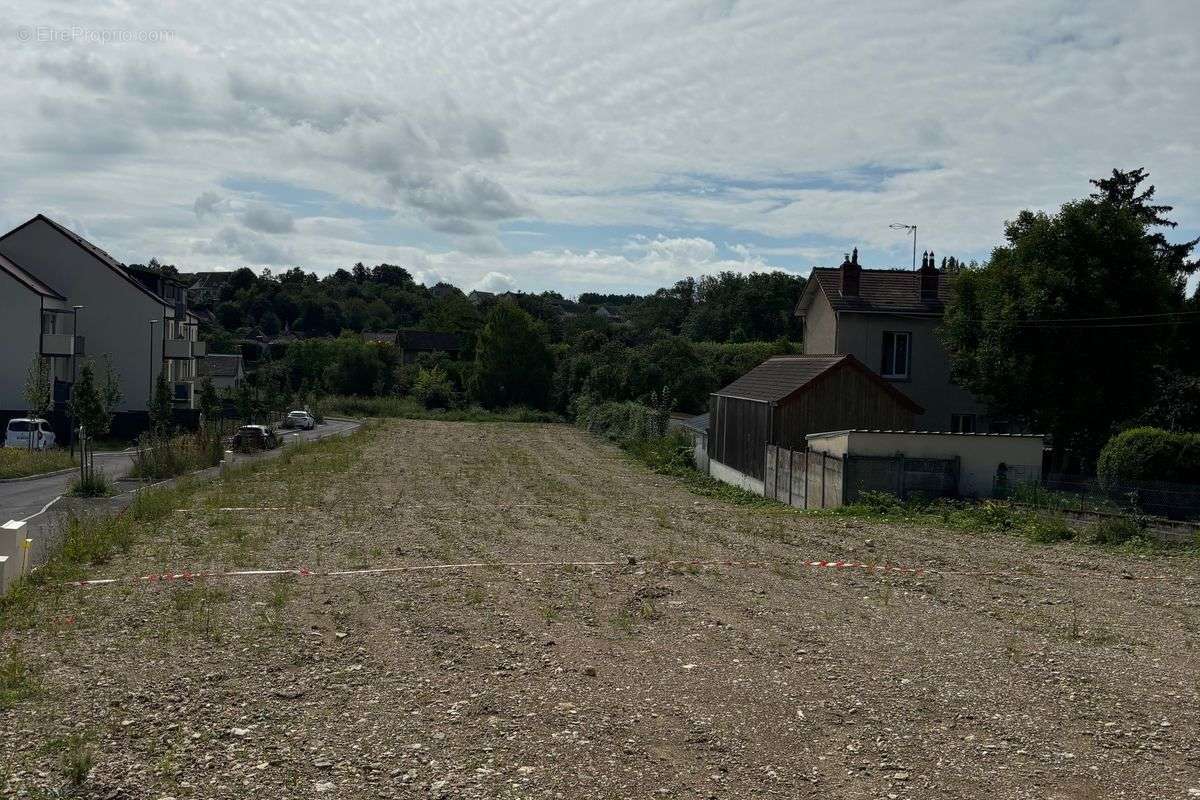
(71, 395)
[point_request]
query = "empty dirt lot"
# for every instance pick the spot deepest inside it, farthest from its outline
(1060, 679)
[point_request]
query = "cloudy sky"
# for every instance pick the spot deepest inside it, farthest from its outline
(583, 145)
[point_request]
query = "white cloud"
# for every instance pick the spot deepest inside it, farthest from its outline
(496, 282)
(787, 133)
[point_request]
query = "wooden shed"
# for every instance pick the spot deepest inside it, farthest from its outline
(785, 398)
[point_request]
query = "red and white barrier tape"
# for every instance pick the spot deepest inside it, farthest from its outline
(835, 565)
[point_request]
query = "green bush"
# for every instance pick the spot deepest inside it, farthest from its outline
(1048, 529)
(1114, 530)
(1149, 454)
(432, 388)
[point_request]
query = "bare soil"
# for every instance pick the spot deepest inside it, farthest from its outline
(1060, 679)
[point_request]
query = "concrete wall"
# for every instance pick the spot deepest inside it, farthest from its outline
(979, 454)
(730, 475)
(20, 338)
(116, 314)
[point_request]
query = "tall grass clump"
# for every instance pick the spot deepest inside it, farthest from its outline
(94, 483)
(159, 457)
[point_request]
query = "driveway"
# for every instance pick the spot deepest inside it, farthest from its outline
(22, 499)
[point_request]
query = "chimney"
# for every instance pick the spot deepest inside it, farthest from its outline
(851, 275)
(930, 278)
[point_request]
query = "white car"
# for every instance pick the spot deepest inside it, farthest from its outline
(21, 430)
(300, 419)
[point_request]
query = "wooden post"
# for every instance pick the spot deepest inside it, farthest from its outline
(823, 457)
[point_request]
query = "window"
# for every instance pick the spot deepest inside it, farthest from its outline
(897, 354)
(962, 423)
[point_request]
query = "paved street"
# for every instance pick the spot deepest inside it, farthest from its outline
(22, 499)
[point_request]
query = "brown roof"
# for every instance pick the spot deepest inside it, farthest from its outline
(22, 277)
(782, 376)
(429, 341)
(221, 365)
(897, 290)
(379, 337)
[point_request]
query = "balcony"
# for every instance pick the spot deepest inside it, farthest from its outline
(61, 344)
(184, 348)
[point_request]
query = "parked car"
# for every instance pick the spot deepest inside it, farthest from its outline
(254, 437)
(300, 419)
(20, 431)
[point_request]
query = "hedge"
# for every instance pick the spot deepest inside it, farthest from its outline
(1149, 454)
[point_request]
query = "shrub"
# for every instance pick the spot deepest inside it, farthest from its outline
(1114, 530)
(1048, 529)
(432, 388)
(93, 484)
(161, 457)
(1149, 454)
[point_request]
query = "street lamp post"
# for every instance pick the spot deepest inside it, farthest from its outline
(909, 229)
(71, 392)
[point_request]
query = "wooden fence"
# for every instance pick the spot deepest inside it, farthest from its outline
(803, 478)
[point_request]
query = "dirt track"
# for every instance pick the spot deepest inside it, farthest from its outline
(1064, 680)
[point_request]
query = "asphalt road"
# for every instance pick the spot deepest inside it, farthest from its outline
(22, 499)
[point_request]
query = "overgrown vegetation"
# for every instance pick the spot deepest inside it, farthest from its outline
(93, 484)
(160, 456)
(18, 462)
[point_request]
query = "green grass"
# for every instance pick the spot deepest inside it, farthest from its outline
(92, 540)
(409, 408)
(16, 462)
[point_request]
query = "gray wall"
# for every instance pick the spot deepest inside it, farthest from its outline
(116, 314)
(20, 338)
(861, 335)
(929, 383)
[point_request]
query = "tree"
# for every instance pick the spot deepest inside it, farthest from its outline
(513, 365)
(109, 391)
(38, 392)
(210, 403)
(1063, 314)
(160, 406)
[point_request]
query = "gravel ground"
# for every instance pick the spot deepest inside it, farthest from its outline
(1061, 680)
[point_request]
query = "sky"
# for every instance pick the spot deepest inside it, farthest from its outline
(583, 146)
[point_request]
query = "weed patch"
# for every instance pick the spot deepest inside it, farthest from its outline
(16, 678)
(16, 462)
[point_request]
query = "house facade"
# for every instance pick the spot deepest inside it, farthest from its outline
(888, 319)
(225, 370)
(83, 295)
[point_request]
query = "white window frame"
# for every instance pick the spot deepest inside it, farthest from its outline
(897, 336)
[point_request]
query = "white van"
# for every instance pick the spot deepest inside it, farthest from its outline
(20, 430)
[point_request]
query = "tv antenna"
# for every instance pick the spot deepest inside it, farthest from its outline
(897, 226)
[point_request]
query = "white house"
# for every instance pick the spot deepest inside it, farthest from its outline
(69, 296)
